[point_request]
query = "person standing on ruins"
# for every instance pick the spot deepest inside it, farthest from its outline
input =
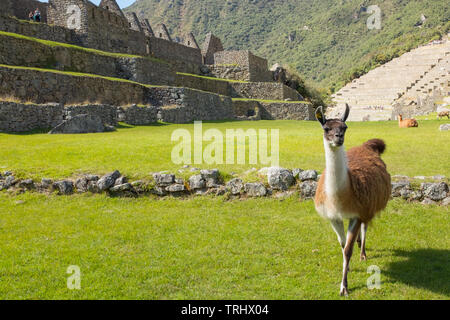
(37, 15)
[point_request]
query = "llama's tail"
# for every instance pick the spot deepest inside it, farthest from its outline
(376, 145)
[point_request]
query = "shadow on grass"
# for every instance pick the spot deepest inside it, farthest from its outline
(423, 268)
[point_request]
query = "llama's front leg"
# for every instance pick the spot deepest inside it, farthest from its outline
(338, 227)
(363, 233)
(352, 233)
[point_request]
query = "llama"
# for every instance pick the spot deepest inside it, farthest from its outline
(355, 186)
(407, 123)
(443, 114)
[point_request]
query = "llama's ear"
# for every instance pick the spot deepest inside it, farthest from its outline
(346, 113)
(320, 116)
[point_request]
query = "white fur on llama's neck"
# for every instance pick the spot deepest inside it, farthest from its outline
(336, 177)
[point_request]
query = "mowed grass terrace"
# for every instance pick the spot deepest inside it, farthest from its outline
(209, 247)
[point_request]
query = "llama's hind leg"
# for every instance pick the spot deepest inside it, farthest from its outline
(352, 234)
(362, 234)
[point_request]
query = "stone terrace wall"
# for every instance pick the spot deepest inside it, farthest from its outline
(168, 50)
(287, 111)
(23, 52)
(197, 105)
(38, 30)
(263, 91)
(256, 66)
(99, 28)
(231, 72)
(17, 117)
(204, 84)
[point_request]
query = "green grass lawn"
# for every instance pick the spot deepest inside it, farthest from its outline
(210, 248)
(206, 248)
(138, 151)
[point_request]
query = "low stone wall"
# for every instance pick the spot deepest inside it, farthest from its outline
(204, 84)
(263, 91)
(18, 117)
(18, 51)
(139, 115)
(107, 113)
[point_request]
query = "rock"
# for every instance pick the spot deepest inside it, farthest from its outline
(416, 195)
(438, 177)
(9, 181)
(308, 175)
(123, 190)
(109, 128)
(64, 187)
(221, 191)
(280, 178)
(428, 201)
(446, 201)
(235, 186)
(405, 193)
(26, 184)
(194, 169)
(255, 189)
(211, 177)
(121, 180)
(435, 191)
(175, 188)
(308, 189)
(46, 183)
(420, 177)
(81, 184)
(93, 187)
(7, 173)
(296, 172)
(140, 186)
(179, 181)
(108, 180)
(159, 191)
(444, 127)
(83, 123)
(163, 179)
(284, 194)
(397, 188)
(197, 182)
(91, 177)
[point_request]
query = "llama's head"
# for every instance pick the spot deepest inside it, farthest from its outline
(333, 129)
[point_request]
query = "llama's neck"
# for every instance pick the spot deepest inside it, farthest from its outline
(336, 178)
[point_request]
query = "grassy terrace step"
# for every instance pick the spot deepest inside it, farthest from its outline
(75, 47)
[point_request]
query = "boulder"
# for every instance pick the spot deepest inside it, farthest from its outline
(108, 180)
(197, 182)
(83, 123)
(211, 177)
(308, 189)
(235, 186)
(398, 187)
(64, 187)
(446, 201)
(123, 190)
(26, 184)
(280, 178)
(163, 179)
(176, 188)
(46, 183)
(81, 184)
(308, 175)
(296, 172)
(121, 180)
(428, 201)
(444, 127)
(255, 189)
(435, 191)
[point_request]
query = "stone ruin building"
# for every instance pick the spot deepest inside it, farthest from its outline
(88, 59)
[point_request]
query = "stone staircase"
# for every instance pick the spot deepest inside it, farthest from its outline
(406, 79)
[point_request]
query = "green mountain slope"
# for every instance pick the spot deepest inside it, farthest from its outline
(327, 41)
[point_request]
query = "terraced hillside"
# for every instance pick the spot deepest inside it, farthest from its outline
(327, 41)
(406, 83)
